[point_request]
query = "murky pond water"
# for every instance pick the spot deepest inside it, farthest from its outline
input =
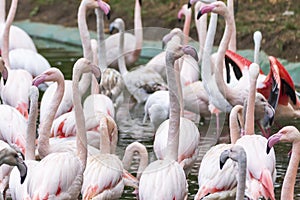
(132, 129)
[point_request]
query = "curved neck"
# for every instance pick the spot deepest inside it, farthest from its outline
(242, 165)
(224, 89)
(201, 26)
(2, 11)
(186, 27)
(81, 138)
(249, 117)
(101, 38)
(5, 37)
(128, 156)
(232, 42)
(235, 119)
(121, 58)
(289, 181)
(31, 126)
(45, 126)
(138, 29)
(86, 45)
(174, 118)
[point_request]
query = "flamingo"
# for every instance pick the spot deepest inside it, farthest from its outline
(139, 82)
(67, 103)
(132, 43)
(238, 154)
(21, 58)
(64, 183)
(260, 178)
(162, 173)
(188, 134)
(18, 190)
(18, 37)
(288, 134)
(215, 182)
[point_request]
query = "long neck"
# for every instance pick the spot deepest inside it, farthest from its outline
(224, 89)
(234, 118)
(174, 118)
(288, 185)
(128, 156)
(257, 44)
(121, 59)
(138, 29)
(31, 126)
(242, 164)
(249, 117)
(81, 138)
(101, 39)
(206, 70)
(232, 42)
(5, 37)
(187, 24)
(45, 126)
(201, 26)
(179, 87)
(2, 11)
(86, 46)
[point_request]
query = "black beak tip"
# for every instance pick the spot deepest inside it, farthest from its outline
(179, 20)
(199, 15)
(140, 2)
(189, 5)
(23, 179)
(108, 15)
(268, 149)
(221, 165)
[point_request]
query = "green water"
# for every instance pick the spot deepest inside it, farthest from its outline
(132, 129)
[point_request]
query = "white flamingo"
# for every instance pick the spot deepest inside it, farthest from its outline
(162, 173)
(21, 58)
(288, 134)
(139, 82)
(64, 183)
(18, 37)
(17, 189)
(132, 43)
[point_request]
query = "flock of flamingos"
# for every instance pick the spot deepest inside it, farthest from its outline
(74, 154)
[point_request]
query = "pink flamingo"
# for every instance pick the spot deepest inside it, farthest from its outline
(18, 190)
(18, 37)
(162, 173)
(288, 134)
(260, 177)
(64, 183)
(132, 43)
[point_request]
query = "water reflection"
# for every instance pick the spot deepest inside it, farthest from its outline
(132, 129)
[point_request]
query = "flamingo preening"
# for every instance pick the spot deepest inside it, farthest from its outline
(288, 134)
(162, 173)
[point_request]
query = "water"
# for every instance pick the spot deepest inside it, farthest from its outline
(132, 129)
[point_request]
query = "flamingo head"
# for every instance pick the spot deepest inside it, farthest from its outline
(52, 74)
(217, 7)
(236, 153)
(3, 70)
(183, 11)
(98, 4)
(118, 24)
(169, 36)
(14, 158)
(287, 134)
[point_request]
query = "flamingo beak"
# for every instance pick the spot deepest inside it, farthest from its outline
(38, 80)
(223, 158)
(205, 9)
(4, 75)
(274, 139)
(22, 168)
(140, 2)
(105, 8)
(189, 4)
